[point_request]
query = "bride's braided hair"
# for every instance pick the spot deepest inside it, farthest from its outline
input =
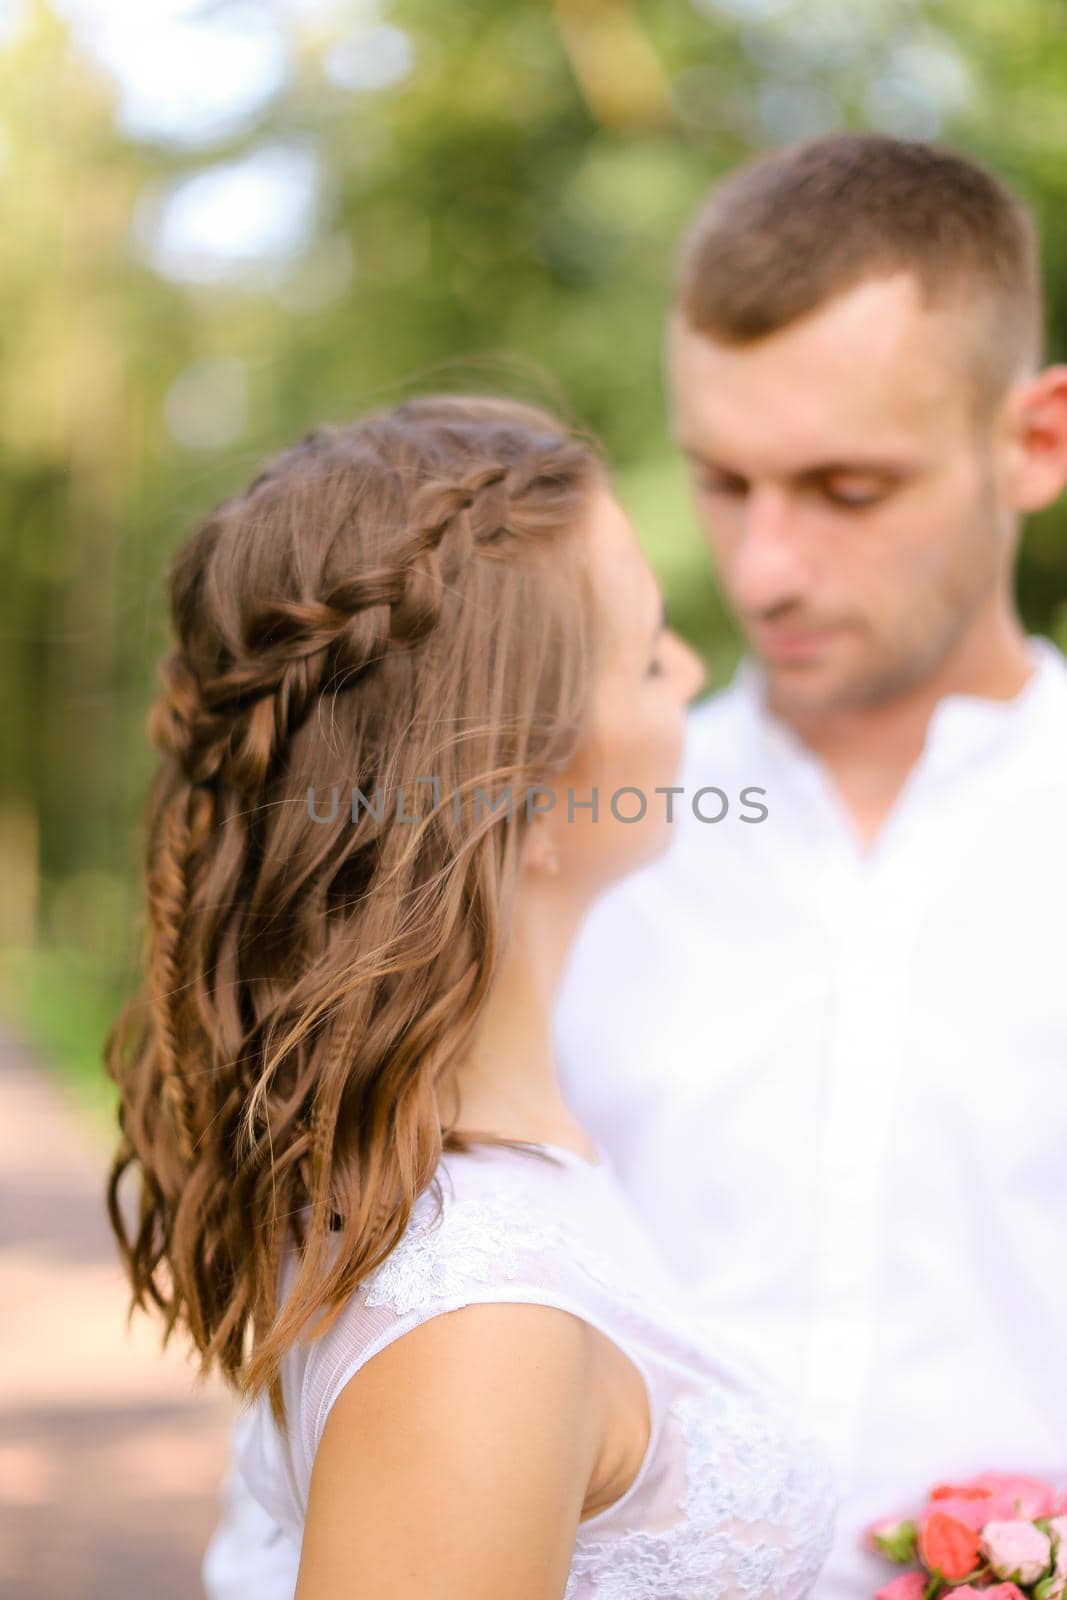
(402, 598)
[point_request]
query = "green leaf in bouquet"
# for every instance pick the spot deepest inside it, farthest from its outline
(900, 1544)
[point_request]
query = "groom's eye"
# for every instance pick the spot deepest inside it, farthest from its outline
(721, 483)
(854, 493)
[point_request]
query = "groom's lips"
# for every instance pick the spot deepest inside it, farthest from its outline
(781, 643)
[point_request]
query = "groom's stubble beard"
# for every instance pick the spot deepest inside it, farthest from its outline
(886, 654)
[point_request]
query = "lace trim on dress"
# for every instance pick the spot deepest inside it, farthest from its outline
(483, 1238)
(757, 1515)
(475, 1240)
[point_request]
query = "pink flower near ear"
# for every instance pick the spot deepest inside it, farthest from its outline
(909, 1586)
(1017, 1550)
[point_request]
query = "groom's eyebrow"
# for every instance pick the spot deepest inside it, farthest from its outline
(875, 467)
(879, 466)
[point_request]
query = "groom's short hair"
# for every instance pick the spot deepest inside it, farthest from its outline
(785, 233)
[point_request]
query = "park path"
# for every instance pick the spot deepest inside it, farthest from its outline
(110, 1456)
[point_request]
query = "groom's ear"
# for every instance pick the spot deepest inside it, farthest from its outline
(1038, 439)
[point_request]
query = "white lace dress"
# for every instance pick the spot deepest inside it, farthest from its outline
(733, 1500)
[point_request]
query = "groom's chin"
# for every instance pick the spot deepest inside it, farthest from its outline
(815, 696)
(845, 679)
(812, 687)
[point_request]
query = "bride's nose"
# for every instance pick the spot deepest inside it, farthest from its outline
(697, 675)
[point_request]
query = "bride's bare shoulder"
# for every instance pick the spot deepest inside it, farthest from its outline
(457, 1457)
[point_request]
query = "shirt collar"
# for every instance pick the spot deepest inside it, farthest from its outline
(962, 727)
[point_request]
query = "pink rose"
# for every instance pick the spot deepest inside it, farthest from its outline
(973, 1510)
(1054, 1587)
(909, 1586)
(948, 1548)
(995, 1592)
(1030, 1497)
(957, 1491)
(1016, 1550)
(1058, 1529)
(998, 1591)
(973, 1504)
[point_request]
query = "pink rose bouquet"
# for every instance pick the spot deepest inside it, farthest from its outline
(996, 1535)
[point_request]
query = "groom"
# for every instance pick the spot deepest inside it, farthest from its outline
(826, 1049)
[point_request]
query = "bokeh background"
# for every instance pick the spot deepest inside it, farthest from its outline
(222, 222)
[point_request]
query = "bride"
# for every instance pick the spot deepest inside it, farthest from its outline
(421, 709)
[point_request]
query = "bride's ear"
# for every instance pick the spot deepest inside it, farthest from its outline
(539, 853)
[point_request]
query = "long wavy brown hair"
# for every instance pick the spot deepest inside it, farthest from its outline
(403, 598)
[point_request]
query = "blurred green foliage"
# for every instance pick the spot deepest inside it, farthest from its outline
(503, 214)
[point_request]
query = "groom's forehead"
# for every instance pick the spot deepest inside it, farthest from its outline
(843, 379)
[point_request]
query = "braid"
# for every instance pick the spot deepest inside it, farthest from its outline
(296, 648)
(167, 903)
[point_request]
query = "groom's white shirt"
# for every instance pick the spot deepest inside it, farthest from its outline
(836, 1085)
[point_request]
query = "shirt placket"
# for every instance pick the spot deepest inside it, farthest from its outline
(858, 1090)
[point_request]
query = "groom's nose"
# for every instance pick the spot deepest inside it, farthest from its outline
(769, 562)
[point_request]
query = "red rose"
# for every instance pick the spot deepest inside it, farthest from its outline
(948, 1547)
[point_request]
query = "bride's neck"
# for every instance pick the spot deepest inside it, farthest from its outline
(508, 1084)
